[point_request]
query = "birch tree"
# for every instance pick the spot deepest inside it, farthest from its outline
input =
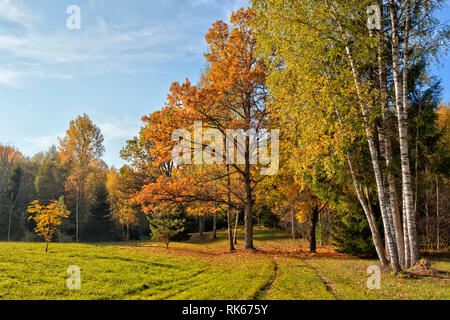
(335, 58)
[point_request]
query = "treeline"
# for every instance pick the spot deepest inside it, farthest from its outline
(72, 170)
(99, 198)
(45, 177)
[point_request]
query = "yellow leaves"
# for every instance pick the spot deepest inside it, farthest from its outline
(82, 144)
(202, 208)
(9, 154)
(48, 218)
(444, 121)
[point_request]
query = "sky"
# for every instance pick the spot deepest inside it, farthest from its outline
(116, 68)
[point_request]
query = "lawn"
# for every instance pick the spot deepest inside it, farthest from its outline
(203, 269)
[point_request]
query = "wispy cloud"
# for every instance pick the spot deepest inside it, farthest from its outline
(9, 77)
(119, 129)
(15, 13)
(121, 45)
(98, 48)
(33, 145)
(201, 2)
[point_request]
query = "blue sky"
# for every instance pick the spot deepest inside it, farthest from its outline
(116, 68)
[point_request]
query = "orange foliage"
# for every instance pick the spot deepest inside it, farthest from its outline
(48, 218)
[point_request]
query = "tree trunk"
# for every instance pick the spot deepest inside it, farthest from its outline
(230, 230)
(128, 228)
(46, 248)
(312, 231)
(406, 239)
(373, 154)
(392, 188)
(236, 227)
(384, 208)
(427, 223)
(293, 224)
(76, 214)
(229, 220)
(427, 234)
(438, 229)
(248, 214)
(9, 223)
(11, 209)
(401, 102)
(370, 218)
(248, 203)
(369, 215)
(214, 234)
(416, 165)
(200, 226)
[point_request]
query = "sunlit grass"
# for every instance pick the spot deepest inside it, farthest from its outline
(203, 268)
(297, 281)
(349, 279)
(108, 272)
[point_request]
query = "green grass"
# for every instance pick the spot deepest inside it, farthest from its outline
(295, 280)
(201, 269)
(349, 277)
(108, 272)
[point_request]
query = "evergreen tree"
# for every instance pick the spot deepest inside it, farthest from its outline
(100, 225)
(165, 226)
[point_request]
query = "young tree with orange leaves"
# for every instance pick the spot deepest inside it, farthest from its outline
(48, 218)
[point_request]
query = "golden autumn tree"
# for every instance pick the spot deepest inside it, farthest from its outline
(80, 149)
(289, 196)
(118, 201)
(444, 122)
(48, 218)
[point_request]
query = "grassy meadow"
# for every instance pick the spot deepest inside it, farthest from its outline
(280, 268)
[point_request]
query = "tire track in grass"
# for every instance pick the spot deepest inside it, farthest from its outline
(326, 282)
(263, 291)
(187, 285)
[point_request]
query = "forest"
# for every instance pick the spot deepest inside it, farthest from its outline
(340, 93)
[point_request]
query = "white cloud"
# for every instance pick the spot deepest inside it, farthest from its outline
(201, 2)
(15, 77)
(119, 129)
(33, 145)
(9, 78)
(100, 49)
(15, 13)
